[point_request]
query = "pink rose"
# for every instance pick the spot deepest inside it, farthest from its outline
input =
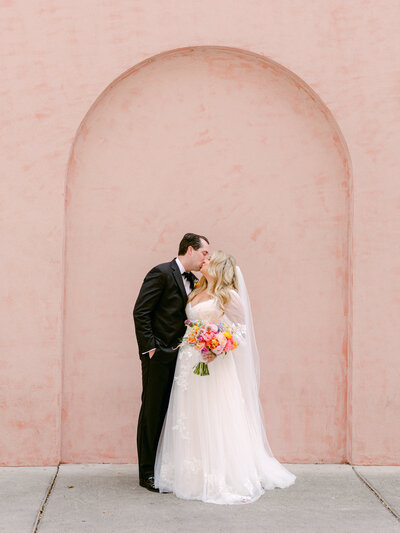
(218, 350)
(229, 345)
(221, 339)
(208, 335)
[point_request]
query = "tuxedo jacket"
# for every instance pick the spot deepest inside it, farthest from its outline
(159, 312)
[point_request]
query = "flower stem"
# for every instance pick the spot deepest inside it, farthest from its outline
(201, 369)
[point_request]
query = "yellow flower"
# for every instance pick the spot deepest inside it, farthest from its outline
(227, 334)
(214, 343)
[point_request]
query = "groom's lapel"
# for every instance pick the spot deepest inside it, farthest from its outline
(178, 278)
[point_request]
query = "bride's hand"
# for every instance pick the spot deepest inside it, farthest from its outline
(208, 358)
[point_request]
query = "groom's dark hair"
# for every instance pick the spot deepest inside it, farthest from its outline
(191, 239)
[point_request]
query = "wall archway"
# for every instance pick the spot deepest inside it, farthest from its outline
(232, 145)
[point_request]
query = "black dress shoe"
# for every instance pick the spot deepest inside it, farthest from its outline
(148, 483)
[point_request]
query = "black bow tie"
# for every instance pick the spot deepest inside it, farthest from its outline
(190, 277)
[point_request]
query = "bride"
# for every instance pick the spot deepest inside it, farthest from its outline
(213, 446)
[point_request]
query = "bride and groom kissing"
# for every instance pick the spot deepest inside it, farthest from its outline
(201, 436)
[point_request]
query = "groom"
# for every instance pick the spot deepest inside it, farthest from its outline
(159, 316)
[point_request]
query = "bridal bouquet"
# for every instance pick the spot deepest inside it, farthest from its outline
(209, 338)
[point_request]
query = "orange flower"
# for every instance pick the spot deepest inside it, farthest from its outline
(214, 343)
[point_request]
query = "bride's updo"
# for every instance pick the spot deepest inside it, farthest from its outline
(222, 270)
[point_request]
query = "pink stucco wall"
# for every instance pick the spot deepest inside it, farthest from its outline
(308, 139)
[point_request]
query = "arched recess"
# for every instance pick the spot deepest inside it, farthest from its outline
(232, 145)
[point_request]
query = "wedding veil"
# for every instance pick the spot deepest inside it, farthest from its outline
(247, 361)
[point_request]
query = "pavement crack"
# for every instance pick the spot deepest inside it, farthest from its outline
(379, 496)
(41, 510)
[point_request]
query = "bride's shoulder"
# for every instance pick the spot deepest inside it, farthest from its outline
(234, 293)
(234, 297)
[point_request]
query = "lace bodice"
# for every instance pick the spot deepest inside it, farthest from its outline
(209, 311)
(206, 310)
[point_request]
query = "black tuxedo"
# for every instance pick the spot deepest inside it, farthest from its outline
(159, 316)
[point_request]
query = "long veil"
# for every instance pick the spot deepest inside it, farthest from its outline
(248, 365)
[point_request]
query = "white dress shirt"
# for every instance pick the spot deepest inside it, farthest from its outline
(186, 283)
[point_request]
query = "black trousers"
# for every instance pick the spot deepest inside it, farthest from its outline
(157, 379)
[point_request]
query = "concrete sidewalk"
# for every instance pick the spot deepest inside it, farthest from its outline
(107, 498)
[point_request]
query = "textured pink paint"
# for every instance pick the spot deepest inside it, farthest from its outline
(54, 64)
(244, 181)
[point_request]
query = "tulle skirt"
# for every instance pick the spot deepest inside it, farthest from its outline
(210, 449)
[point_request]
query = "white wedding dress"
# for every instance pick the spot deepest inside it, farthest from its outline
(213, 445)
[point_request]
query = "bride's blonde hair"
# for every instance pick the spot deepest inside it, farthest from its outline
(222, 270)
